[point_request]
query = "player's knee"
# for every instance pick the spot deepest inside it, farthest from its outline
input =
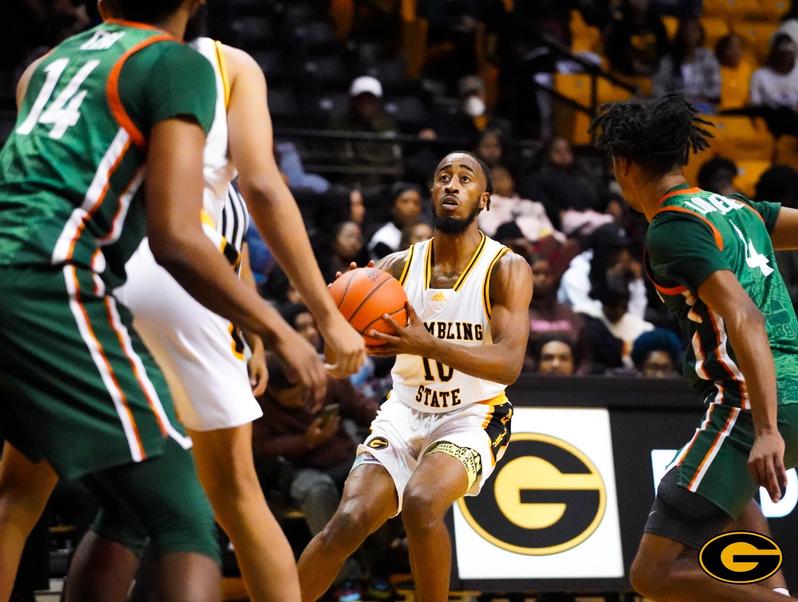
(420, 508)
(351, 521)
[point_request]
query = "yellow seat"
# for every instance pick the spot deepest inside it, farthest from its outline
(584, 37)
(741, 138)
(715, 8)
(671, 24)
(757, 36)
(787, 151)
(749, 172)
(772, 10)
(714, 29)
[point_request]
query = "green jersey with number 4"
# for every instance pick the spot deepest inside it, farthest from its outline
(696, 233)
(72, 169)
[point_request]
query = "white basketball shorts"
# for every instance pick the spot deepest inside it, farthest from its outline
(401, 436)
(199, 352)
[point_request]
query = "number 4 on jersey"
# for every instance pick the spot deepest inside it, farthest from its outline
(64, 111)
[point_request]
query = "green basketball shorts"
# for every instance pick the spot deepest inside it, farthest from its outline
(714, 463)
(77, 386)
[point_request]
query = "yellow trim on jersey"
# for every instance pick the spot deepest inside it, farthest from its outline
(474, 258)
(207, 219)
(486, 285)
(408, 261)
(494, 401)
(428, 265)
(222, 72)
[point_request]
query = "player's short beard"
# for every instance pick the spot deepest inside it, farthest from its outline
(454, 225)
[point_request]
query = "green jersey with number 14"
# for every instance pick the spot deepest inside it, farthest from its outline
(72, 169)
(696, 233)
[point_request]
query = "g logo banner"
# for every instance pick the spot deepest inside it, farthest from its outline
(544, 498)
(378, 443)
(740, 557)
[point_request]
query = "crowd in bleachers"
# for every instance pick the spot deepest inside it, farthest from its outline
(367, 95)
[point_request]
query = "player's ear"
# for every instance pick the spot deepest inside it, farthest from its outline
(484, 201)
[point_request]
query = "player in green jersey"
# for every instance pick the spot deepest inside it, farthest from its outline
(78, 391)
(712, 260)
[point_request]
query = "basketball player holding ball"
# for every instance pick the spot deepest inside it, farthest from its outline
(447, 420)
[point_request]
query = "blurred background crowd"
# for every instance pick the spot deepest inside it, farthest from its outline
(367, 95)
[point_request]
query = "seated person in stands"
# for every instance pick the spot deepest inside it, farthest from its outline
(548, 318)
(477, 118)
(690, 68)
(607, 258)
(656, 354)
(320, 452)
(735, 72)
(717, 174)
(774, 87)
(571, 197)
(346, 246)
(553, 355)
(367, 115)
(610, 329)
(635, 40)
(416, 233)
(405, 212)
(490, 147)
(507, 206)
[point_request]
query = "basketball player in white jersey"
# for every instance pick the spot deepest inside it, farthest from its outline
(447, 420)
(199, 356)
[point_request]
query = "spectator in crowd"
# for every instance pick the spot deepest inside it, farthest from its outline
(319, 449)
(776, 84)
(347, 246)
(490, 147)
(507, 206)
(610, 329)
(405, 212)
(656, 354)
(690, 68)
(607, 260)
(471, 91)
(357, 207)
(416, 233)
(548, 317)
(571, 197)
(297, 178)
(367, 115)
(635, 40)
(301, 320)
(717, 175)
(554, 355)
(735, 72)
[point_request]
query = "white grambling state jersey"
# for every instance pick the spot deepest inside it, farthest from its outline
(218, 170)
(461, 315)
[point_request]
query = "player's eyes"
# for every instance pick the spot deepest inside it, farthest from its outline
(465, 179)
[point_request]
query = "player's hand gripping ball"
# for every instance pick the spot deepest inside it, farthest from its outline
(363, 295)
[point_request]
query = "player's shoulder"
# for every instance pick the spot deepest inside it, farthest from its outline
(510, 269)
(395, 263)
(239, 63)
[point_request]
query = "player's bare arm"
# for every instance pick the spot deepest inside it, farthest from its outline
(745, 324)
(274, 209)
(394, 263)
(785, 232)
(173, 190)
(501, 361)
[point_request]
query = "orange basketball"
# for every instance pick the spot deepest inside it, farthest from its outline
(363, 295)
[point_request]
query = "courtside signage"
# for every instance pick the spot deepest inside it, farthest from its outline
(550, 508)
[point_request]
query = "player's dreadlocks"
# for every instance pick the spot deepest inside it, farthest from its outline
(658, 134)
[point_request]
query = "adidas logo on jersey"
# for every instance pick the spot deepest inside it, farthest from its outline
(439, 296)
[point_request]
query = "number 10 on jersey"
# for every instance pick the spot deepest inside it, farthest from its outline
(444, 372)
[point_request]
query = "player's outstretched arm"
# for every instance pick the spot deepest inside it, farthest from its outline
(785, 232)
(275, 211)
(745, 326)
(501, 361)
(173, 190)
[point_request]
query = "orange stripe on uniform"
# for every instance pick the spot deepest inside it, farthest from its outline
(674, 193)
(715, 231)
(718, 437)
(134, 367)
(96, 207)
(108, 367)
(112, 87)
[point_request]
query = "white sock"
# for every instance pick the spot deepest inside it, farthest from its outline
(781, 590)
